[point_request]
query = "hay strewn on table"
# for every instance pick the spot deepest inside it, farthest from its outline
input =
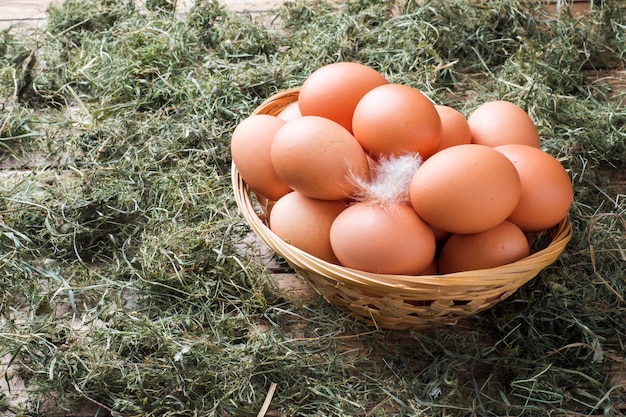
(122, 280)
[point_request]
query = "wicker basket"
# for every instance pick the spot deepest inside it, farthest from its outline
(397, 301)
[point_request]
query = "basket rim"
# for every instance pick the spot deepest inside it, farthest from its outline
(491, 277)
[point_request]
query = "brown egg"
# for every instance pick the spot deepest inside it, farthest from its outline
(455, 129)
(305, 223)
(318, 158)
(500, 122)
(383, 239)
(250, 148)
(395, 119)
(440, 235)
(333, 91)
(547, 191)
(431, 269)
(500, 245)
(290, 112)
(465, 189)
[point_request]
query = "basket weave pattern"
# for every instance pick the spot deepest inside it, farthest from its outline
(397, 301)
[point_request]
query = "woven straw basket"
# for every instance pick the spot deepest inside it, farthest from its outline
(397, 301)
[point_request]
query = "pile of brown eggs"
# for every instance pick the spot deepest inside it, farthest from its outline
(374, 176)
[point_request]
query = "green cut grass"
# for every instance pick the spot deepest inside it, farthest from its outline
(123, 283)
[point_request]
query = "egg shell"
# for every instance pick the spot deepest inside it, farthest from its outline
(440, 235)
(454, 127)
(250, 145)
(465, 189)
(305, 223)
(501, 122)
(547, 191)
(290, 112)
(333, 91)
(383, 239)
(394, 119)
(431, 269)
(318, 158)
(500, 245)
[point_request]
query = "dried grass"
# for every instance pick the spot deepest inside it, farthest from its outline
(122, 282)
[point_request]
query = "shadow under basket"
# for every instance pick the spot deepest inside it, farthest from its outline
(398, 302)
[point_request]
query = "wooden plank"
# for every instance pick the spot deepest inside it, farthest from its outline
(23, 9)
(28, 13)
(575, 8)
(292, 286)
(611, 79)
(23, 14)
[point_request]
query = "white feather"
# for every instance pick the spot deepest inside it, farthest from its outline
(390, 179)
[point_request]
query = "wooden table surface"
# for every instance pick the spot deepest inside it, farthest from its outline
(29, 13)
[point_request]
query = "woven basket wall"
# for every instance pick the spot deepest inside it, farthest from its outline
(397, 301)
